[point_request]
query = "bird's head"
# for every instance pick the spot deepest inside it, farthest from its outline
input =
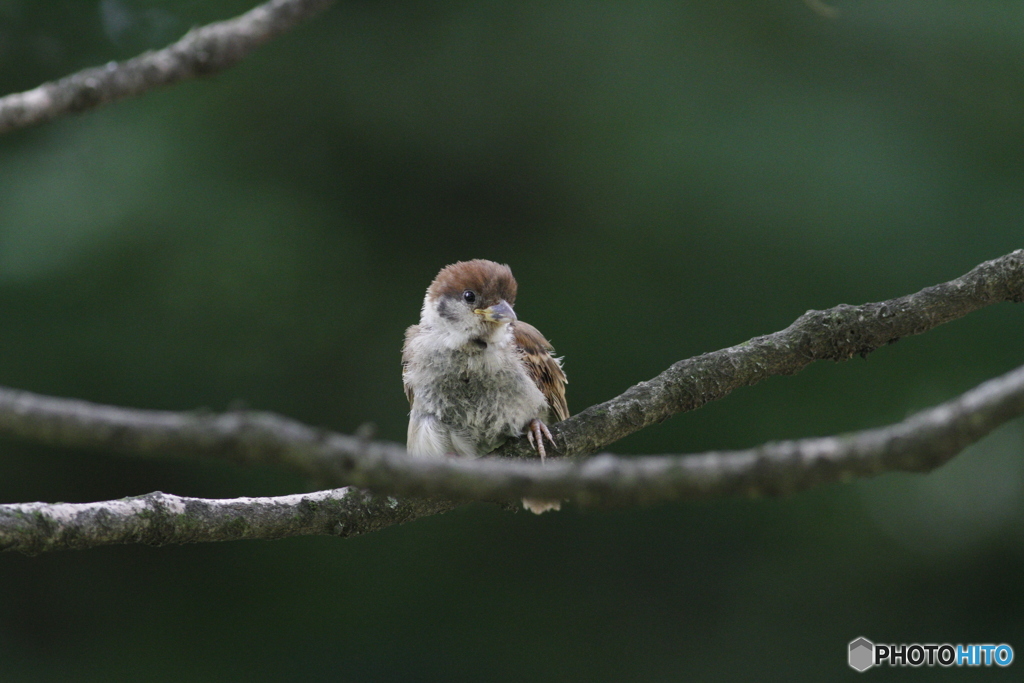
(472, 299)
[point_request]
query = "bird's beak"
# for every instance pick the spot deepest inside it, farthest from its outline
(500, 312)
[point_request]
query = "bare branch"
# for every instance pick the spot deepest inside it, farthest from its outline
(918, 444)
(837, 334)
(255, 437)
(159, 519)
(242, 436)
(202, 51)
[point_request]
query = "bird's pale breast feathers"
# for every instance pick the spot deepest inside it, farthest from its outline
(491, 282)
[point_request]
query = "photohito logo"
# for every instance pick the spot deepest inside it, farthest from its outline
(863, 654)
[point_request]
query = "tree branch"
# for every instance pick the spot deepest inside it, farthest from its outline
(264, 438)
(918, 444)
(838, 333)
(159, 519)
(202, 51)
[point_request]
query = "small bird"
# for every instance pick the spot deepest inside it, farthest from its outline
(474, 374)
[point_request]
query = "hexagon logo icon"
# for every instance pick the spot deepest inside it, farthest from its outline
(862, 654)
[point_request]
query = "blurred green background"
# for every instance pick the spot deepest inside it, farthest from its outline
(664, 178)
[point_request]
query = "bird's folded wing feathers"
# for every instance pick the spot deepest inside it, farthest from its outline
(544, 368)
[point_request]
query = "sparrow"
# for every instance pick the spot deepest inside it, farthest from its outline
(475, 375)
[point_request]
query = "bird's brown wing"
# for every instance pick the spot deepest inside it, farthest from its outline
(544, 368)
(410, 332)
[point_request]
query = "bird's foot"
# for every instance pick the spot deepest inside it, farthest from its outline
(536, 432)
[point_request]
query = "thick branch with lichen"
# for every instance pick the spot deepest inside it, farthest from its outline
(918, 444)
(202, 51)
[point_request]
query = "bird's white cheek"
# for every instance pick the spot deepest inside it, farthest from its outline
(448, 333)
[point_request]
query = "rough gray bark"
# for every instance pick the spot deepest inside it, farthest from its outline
(917, 444)
(159, 519)
(202, 51)
(264, 438)
(839, 333)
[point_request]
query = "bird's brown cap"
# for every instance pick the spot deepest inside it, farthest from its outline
(490, 281)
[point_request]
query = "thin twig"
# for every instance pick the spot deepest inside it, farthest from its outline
(202, 51)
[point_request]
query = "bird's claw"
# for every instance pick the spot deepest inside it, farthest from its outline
(536, 431)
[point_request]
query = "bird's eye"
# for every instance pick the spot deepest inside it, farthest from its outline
(469, 295)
